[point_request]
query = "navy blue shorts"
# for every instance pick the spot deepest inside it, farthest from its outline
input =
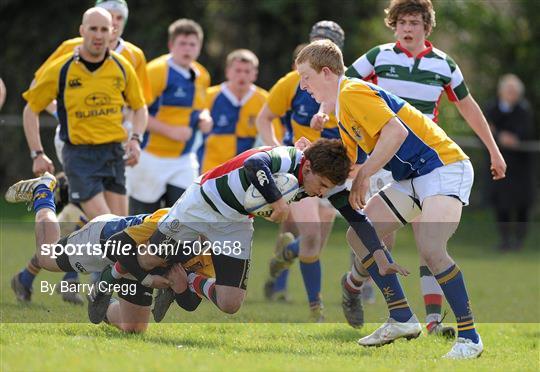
(91, 169)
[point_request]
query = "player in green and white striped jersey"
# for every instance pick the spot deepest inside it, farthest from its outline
(414, 70)
(213, 206)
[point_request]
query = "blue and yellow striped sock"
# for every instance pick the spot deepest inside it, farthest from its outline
(28, 274)
(453, 286)
(291, 251)
(43, 198)
(311, 273)
(281, 281)
(391, 289)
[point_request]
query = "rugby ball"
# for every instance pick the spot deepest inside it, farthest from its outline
(254, 202)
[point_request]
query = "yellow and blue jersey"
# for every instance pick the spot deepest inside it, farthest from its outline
(234, 129)
(364, 108)
(89, 104)
(178, 96)
(286, 96)
(129, 51)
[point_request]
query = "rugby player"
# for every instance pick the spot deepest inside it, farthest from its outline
(428, 167)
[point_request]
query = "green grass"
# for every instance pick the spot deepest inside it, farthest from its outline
(505, 293)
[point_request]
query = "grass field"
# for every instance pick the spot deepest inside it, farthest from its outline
(504, 288)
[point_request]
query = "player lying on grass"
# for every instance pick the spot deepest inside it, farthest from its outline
(427, 165)
(213, 207)
(91, 249)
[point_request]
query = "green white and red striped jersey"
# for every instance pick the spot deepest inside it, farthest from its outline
(224, 187)
(420, 81)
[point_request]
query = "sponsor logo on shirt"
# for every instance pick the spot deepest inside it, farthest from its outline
(75, 83)
(97, 99)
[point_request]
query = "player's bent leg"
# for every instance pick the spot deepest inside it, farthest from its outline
(439, 220)
(95, 206)
(132, 312)
(433, 298)
(117, 202)
(228, 289)
(285, 251)
(229, 299)
(401, 322)
(128, 317)
(39, 191)
(308, 220)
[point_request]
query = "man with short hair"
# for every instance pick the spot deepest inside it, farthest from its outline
(91, 51)
(233, 105)
(431, 173)
(168, 163)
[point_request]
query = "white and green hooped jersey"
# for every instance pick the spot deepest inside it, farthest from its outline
(224, 187)
(420, 81)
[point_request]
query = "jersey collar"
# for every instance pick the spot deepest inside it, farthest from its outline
(429, 48)
(342, 77)
(300, 168)
(234, 100)
(185, 72)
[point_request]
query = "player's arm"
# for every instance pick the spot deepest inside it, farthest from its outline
(258, 169)
(128, 258)
(265, 127)
(392, 136)
(365, 231)
(38, 97)
(471, 112)
(41, 162)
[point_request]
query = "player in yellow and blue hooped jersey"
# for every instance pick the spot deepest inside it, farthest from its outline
(313, 217)
(168, 164)
(233, 105)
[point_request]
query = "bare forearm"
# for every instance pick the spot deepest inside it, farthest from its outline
(390, 140)
(31, 129)
(473, 115)
(140, 120)
(265, 128)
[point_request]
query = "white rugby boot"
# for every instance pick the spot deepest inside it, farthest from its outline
(465, 349)
(391, 331)
(23, 191)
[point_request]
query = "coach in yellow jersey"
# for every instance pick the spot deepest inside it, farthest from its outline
(433, 181)
(91, 86)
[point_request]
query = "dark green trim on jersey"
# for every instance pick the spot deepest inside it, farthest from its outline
(461, 90)
(226, 194)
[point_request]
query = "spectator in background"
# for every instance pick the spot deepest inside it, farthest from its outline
(3, 93)
(511, 120)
